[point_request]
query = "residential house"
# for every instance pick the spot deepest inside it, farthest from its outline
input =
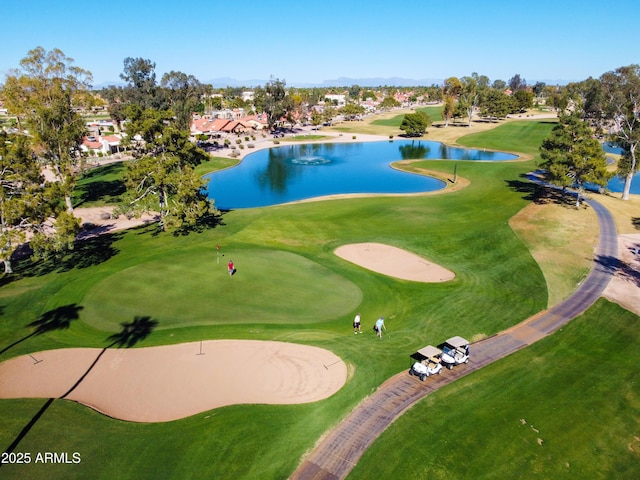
(402, 98)
(258, 121)
(214, 127)
(106, 144)
(338, 99)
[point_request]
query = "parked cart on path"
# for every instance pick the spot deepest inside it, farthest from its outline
(455, 351)
(427, 362)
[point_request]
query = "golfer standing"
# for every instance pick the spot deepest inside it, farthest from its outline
(379, 327)
(356, 324)
(231, 268)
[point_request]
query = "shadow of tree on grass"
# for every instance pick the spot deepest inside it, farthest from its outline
(207, 222)
(28, 427)
(59, 318)
(541, 194)
(133, 332)
(85, 254)
(94, 185)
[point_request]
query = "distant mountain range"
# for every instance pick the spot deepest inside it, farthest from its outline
(338, 82)
(363, 82)
(223, 82)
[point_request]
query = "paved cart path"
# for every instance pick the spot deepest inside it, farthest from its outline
(336, 455)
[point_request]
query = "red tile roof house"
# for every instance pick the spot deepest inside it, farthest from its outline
(206, 126)
(107, 145)
(259, 121)
(403, 98)
(212, 127)
(234, 126)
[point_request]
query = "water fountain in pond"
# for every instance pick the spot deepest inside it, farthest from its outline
(310, 160)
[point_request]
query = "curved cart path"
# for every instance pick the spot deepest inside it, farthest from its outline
(336, 455)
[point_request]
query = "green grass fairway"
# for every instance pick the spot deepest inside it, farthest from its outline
(518, 136)
(434, 112)
(567, 407)
(197, 290)
(100, 186)
(576, 390)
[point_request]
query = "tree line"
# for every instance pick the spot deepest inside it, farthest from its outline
(590, 112)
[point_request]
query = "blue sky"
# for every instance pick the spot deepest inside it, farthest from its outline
(309, 42)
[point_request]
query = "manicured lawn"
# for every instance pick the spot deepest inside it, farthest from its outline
(567, 407)
(291, 287)
(434, 112)
(519, 136)
(197, 290)
(100, 186)
(304, 138)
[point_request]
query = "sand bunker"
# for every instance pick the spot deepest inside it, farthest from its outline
(159, 384)
(394, 262)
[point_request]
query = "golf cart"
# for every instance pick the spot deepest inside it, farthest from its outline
(454, 352)
(427, 362)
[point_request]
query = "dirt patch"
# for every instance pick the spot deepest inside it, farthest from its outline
(562, 241)
(624, 287)
(394, 262)
(159, 384)
(99, 220)
(625, 212)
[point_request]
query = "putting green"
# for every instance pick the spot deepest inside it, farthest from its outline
(268, 287)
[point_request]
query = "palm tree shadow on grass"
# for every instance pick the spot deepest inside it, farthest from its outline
(28, 427)
(133, 332)
(59, 318)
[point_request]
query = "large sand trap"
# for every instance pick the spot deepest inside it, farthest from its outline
(158, 384)
(394, 262)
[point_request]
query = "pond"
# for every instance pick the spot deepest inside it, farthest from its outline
(289, 173)
(616, 184)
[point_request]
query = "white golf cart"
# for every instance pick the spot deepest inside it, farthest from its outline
(427, 362)
(454, 352)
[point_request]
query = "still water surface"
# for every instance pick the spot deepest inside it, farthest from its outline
(296, 172)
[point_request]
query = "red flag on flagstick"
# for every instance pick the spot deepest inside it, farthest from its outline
(218, 246)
